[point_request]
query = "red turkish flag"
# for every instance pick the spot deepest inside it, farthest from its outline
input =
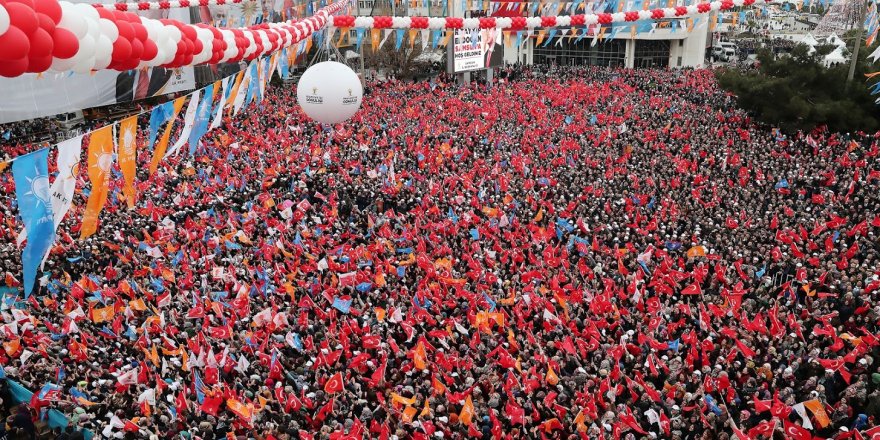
(795, 432)
(764, 428)
(693, 289)
(334, 384)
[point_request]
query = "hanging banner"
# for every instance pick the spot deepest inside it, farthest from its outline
(467, 52)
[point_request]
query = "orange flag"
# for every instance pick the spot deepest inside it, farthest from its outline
(100, 161)
(419, 356)
(162, 145)
(408, 414)
(467, 412)
(245, 412)
(818, 411)
(551, 378)
(232, 94)
(127, 156)
(103, 314)
(402, 400)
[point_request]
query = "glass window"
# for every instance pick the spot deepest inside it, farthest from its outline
(581, 53)
(652, 53)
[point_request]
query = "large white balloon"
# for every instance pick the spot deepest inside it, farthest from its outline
(4, 20)
(329, 92)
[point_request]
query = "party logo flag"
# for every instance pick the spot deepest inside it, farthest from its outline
(31, 175)
(63, 187)
(203, 115)
(50, 392)
(128, 156)
(100, 161)
(189, 119)
(158, 117)
(343, 305)
(467, 412)
(224, 97)
(166, 135)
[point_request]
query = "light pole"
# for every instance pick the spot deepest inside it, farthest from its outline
(860, 29)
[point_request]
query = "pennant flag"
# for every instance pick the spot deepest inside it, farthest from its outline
(159, 153)
(224, 96)
(203, 115)
(64, 185)
(128, 157)
(100, 160)
(161, 114)
(189, 119)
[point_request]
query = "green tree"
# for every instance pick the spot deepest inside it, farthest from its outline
(797, 92)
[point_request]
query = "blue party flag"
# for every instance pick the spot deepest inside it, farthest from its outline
(31, 175)
(343, 305)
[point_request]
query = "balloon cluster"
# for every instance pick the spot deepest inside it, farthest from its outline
(517, 23)
(155, 6)
(31, 39)
(51, 35)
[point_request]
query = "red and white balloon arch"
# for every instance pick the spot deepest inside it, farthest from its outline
(58, 36)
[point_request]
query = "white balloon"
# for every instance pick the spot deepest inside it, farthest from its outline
(73, 22)
(4, 20)
(86, 49)
(102, 62)
(329, 92)
(62, 65)
(174, 33)
(103, 48)
(88, 11)
(84, 66)
(109, 29)
(94, 28)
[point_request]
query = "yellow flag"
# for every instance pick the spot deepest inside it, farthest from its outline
(380, 313)
(100, 161)
(162, 145)
(408, 414)
(128, 156)
(375, 34)
(446, 38)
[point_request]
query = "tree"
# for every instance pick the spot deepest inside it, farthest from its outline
(797, 92)
(403, 63)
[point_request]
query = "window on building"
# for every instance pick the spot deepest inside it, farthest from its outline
(652, 53)
(679, 61)
(582, 53)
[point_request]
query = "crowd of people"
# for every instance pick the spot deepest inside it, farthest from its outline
(572, 253)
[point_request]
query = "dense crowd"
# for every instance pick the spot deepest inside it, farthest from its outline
(573, 253)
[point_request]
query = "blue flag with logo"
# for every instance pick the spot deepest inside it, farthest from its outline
(203, 116)
(343, 305)
(31, 175)
(158, 117)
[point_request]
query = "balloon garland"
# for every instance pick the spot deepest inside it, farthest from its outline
(519, 23)
(174, 4)
(58, 36)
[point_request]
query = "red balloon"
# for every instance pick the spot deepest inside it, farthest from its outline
(150, 50)
(189, 31)
(140, 32)
(51, 8)
(125, 30)
(11, 69)
(105, 13)
(41, 44)
(15, 44)
(189, 47)
(121, 49)
(46, 23)
(28, 3)
(22, 17)
(39, 64)
(65, 44)
(137, 49)
(198, 46)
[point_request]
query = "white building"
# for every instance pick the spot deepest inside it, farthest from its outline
(667, 46)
